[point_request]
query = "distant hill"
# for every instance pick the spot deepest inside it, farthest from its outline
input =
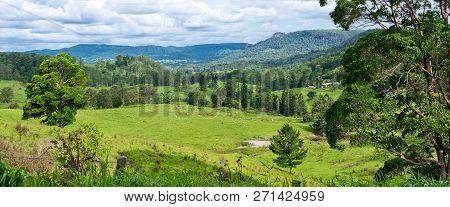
(281, 49)
(171, 56)
(290, 48)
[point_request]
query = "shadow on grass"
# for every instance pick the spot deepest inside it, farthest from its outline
(176, 170)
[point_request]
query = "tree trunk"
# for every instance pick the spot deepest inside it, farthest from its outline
(440, 156)
(448, 155)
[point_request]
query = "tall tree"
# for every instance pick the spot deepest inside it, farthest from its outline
(244, 96)
(398, 82)
(55, 93)
(284, 103)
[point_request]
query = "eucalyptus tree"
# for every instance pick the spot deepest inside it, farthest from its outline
(398, 82)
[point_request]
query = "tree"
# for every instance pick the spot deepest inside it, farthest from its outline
(293, 104)
(131, 97)
(268, 101)
(289, 147)
(55, 93)
(192, 98)
(276, 103)
(229, 91)
(6, 95)
(104, 99)
(90, 97)
(214, 99)
(244, 96)
(284, 103)
(117, 94)
(302, 109)
(397, 88)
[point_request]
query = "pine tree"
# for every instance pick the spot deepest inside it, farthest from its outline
(244, 96)
(284, 103)
(302, 109)
(293, 104)
(275, 103)
(289, 147)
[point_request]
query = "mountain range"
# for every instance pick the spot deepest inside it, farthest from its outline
(280, 49)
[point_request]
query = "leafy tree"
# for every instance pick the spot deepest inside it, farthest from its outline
(397, 94)
(56, 92)
(167, 97)
(104, 99)
(289, 147)
(90, 97)
(146, 93)
(117, 94)
(131, 97)
(6, 94)
(192, 98)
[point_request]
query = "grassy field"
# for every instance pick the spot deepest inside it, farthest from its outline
(212, 136)
(19, 92)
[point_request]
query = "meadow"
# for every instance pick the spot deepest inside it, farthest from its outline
(212, 136)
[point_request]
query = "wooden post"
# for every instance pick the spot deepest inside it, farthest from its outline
(121, 162)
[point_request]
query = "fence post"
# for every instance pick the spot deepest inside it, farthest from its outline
(121, 162)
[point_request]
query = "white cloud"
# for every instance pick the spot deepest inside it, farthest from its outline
(55, 23)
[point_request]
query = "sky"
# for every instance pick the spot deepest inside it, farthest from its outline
(53, 24)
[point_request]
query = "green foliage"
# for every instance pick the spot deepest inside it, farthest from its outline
(289, 147)
(244, 96)
(19, 66)
(172, 56)
(6, 94)
(397, 82)
(284, 49)
(104, 99)
(80, 152)
(11, 177)
(55, 93)
(311, 94)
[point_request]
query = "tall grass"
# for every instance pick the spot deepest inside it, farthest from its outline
(10, 177)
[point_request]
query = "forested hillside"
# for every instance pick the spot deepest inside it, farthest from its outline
(282, 49)
(171, 56)
(19, 66)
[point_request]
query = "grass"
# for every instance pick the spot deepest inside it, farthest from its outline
(209, 135)
(212, 136)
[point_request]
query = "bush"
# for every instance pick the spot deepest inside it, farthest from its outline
(21, 129)
(79, 153)
(13, 106)
(311, 94)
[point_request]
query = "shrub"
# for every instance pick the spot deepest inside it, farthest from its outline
(13, 106)
(21, 129)
(311, 94)
(79, 153)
